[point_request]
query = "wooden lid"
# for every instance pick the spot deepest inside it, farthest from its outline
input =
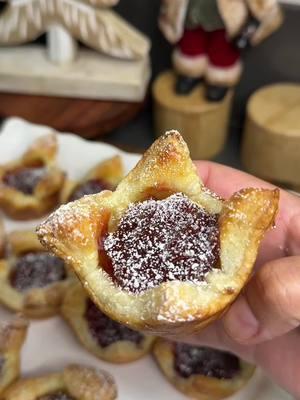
(195, 102)
(277, 109)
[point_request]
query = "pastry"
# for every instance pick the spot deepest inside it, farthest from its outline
(104, 176)
(75, 382)
(201, 373)
(30, 186)
(2, 240)
(32, 280)
(105, 338)
(12, 336)
(162, 253)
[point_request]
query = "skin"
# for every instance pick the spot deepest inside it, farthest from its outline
(262, 326)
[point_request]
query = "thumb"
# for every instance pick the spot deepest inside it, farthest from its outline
(269, 306)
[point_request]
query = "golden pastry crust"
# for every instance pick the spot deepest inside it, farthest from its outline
(109, 171)
(18, 205)
(73, 310)
(80, 382)
(12, 337)
(197, 386)
(33, 303)
(2, 239)
(172, 308)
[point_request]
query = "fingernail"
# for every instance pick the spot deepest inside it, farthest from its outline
(240, 323)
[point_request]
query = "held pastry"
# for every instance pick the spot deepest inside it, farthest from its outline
(105, 338)
(104, 176)
(201, 373)
(75, 382)
(12, 337)
(30, 186)
(162, 253)
(32, 280)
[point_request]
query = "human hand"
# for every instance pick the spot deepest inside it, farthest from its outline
(261, 326)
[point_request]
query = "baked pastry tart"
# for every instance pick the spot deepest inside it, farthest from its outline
(104, 176)
(12, 337)
(201, 373)
(30, 186)
(105, 338)
(32, 280)
(162, 253)
(75, 382)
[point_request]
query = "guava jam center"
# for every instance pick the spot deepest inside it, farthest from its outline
(37, 270)
(192, 360)
(24, 179)
(162, 240)
(105, 330)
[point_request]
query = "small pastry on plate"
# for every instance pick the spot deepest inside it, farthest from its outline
(32, 280)
(162, 253)
(12, 337)
(201, 373)
(104, 176)
(30, 186)
(75, 382)
(103, 337)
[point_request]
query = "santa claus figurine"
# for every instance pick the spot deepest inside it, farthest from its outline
(209, 36)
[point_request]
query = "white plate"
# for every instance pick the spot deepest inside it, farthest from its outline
(51, 344)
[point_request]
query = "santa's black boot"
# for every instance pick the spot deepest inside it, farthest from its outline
(3, 5)
(216, 93)
(185, 84)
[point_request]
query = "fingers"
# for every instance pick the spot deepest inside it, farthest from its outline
(280, 359)
(269, 306)
(225, 180)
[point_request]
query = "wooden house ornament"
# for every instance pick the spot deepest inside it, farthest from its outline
(115, 66)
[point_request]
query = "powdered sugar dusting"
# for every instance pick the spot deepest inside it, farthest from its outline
(165, 240)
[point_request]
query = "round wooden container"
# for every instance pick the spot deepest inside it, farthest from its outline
(203, 124)
(271, 144)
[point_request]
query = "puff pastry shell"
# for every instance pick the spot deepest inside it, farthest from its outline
(197, 386)
(82, 383)
(122, 351)
(109, 171)
(12, 337)
(172, 308)
(36, 302)
(45, 197)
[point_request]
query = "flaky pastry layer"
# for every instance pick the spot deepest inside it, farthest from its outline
(73, 310)
(110, 171)
(82, 383)
(199, 387)
(172, 308)
(21, 206)
(12, 337)
(36, 302)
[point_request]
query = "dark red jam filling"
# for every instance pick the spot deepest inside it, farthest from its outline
(37, 270)
(56, 396)
(105, 330)
(92, 186)
(161, 240)
(192, 360)
(24, 179)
